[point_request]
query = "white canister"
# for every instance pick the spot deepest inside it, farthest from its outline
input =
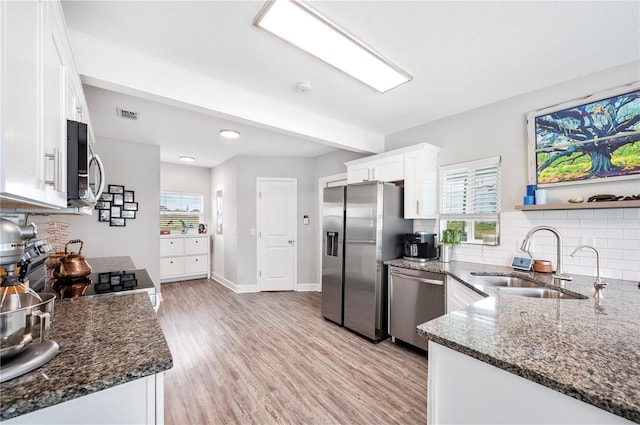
(541, 196)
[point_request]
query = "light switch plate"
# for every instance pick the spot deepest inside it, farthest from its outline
(522, 263)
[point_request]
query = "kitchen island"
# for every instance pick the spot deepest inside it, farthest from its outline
(585, 352)
(109, 368)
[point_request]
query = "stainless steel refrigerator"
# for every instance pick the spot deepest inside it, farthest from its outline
(333, 216)
(373, 232)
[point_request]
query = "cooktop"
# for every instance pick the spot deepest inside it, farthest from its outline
(115, 282)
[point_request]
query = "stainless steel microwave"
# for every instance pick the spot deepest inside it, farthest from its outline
(85, 172)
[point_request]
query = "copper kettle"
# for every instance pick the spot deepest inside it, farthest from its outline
(72, 266)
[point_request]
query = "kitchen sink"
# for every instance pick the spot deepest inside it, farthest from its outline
(509, 282)
(539, 292)
(516, 285)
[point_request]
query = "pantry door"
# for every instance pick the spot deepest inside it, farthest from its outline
(277, 231)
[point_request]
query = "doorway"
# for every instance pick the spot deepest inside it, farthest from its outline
(277, 233)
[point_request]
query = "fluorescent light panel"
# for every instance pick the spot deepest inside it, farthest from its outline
(303, 27)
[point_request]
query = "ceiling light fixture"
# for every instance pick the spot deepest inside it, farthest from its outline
(230, 134)
(187, 158)
(305, 28)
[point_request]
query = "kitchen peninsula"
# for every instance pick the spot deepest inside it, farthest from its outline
(586, 352)
(112, 353)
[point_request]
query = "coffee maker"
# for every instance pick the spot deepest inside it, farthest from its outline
(420, 246)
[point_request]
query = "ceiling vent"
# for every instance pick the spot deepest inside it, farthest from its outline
(130, 115)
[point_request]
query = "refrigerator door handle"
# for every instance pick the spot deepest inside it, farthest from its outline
(418, 279)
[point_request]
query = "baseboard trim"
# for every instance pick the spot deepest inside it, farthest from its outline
(308, 287)
(238, 289)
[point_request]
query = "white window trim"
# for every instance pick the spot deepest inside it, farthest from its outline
(472, 218)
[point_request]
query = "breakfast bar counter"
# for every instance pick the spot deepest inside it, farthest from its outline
(587, 350)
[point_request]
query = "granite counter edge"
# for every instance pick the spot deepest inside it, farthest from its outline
(620, 409)
(74, 392)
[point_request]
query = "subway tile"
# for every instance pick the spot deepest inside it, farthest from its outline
(631, 213)
(623, 244)
(553, 214)
(593, 223)
(631, 233)
(567, 223)
(580, 214)
(609, 233)
(631, 254)
(623, 265)
(608, 213)
(631, 275)
(611, 273)
(623, 223)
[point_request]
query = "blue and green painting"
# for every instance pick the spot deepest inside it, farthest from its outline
(595, 140)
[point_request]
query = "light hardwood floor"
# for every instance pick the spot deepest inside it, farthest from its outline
(270, 358)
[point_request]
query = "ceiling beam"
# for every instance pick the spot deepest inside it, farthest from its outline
(114, 67)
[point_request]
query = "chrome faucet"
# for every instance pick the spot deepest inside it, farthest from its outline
(598, 284)
(559, 276)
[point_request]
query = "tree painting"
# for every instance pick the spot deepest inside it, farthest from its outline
(595, 140)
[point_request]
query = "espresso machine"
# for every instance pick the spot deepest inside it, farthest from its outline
(420, 246)
(25, 316)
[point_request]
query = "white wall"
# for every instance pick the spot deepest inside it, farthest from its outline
(500, 129)
(224, 264)
(137, 167)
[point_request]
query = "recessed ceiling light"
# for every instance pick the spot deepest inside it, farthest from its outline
(230, 134)
(187, 158)
(305, 28)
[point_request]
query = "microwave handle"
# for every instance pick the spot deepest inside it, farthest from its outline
(96, 158)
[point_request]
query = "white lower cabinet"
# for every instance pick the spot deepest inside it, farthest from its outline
(183, 257)
(465, 390)
(135, 402)
(459, 295)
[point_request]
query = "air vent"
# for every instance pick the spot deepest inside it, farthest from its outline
(130, 115)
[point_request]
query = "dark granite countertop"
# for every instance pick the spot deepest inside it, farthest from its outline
(104, 341)
(585, 350)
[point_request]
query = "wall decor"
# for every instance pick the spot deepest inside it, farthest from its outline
(590, 139)
(116, 206)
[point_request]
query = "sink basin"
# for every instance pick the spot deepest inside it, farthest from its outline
(509, 282)
(539, 292)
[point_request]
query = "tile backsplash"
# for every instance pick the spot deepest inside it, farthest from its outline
(615, 233)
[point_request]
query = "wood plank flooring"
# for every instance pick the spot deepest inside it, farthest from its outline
(270, 358)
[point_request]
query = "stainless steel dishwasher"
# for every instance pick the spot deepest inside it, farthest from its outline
(415, 297)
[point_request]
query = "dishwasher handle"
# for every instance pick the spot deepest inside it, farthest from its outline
(418, 279)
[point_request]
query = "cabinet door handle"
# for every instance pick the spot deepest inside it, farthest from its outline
(417, 207)
(171, 243)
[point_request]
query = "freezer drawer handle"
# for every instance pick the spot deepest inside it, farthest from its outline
(365, 241)
(418, 279)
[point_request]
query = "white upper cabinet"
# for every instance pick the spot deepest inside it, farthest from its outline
(421, 182)
(417, 165)
(383, 167)
(40, 90)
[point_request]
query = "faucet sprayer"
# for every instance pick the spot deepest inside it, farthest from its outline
(598, 284)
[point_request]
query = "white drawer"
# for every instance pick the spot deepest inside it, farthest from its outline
(170, 266)
(171, 247)
(195, 264)
(193, 246)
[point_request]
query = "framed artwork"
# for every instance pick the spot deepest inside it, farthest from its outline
(104, 215)
(116, 212)
(118, 199)
(591, 139)
(118, 222)
(117, 206)
(114, 188)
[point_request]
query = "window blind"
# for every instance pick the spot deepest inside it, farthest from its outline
(178, 208)
(471, 189)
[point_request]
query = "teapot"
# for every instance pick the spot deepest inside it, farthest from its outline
(72, 266)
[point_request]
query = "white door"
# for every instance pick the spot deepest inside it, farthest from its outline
(277, 231)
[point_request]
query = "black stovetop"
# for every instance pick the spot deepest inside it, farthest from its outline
(96, 284)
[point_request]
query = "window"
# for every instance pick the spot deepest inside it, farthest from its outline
(178, 210)
(471, 200)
